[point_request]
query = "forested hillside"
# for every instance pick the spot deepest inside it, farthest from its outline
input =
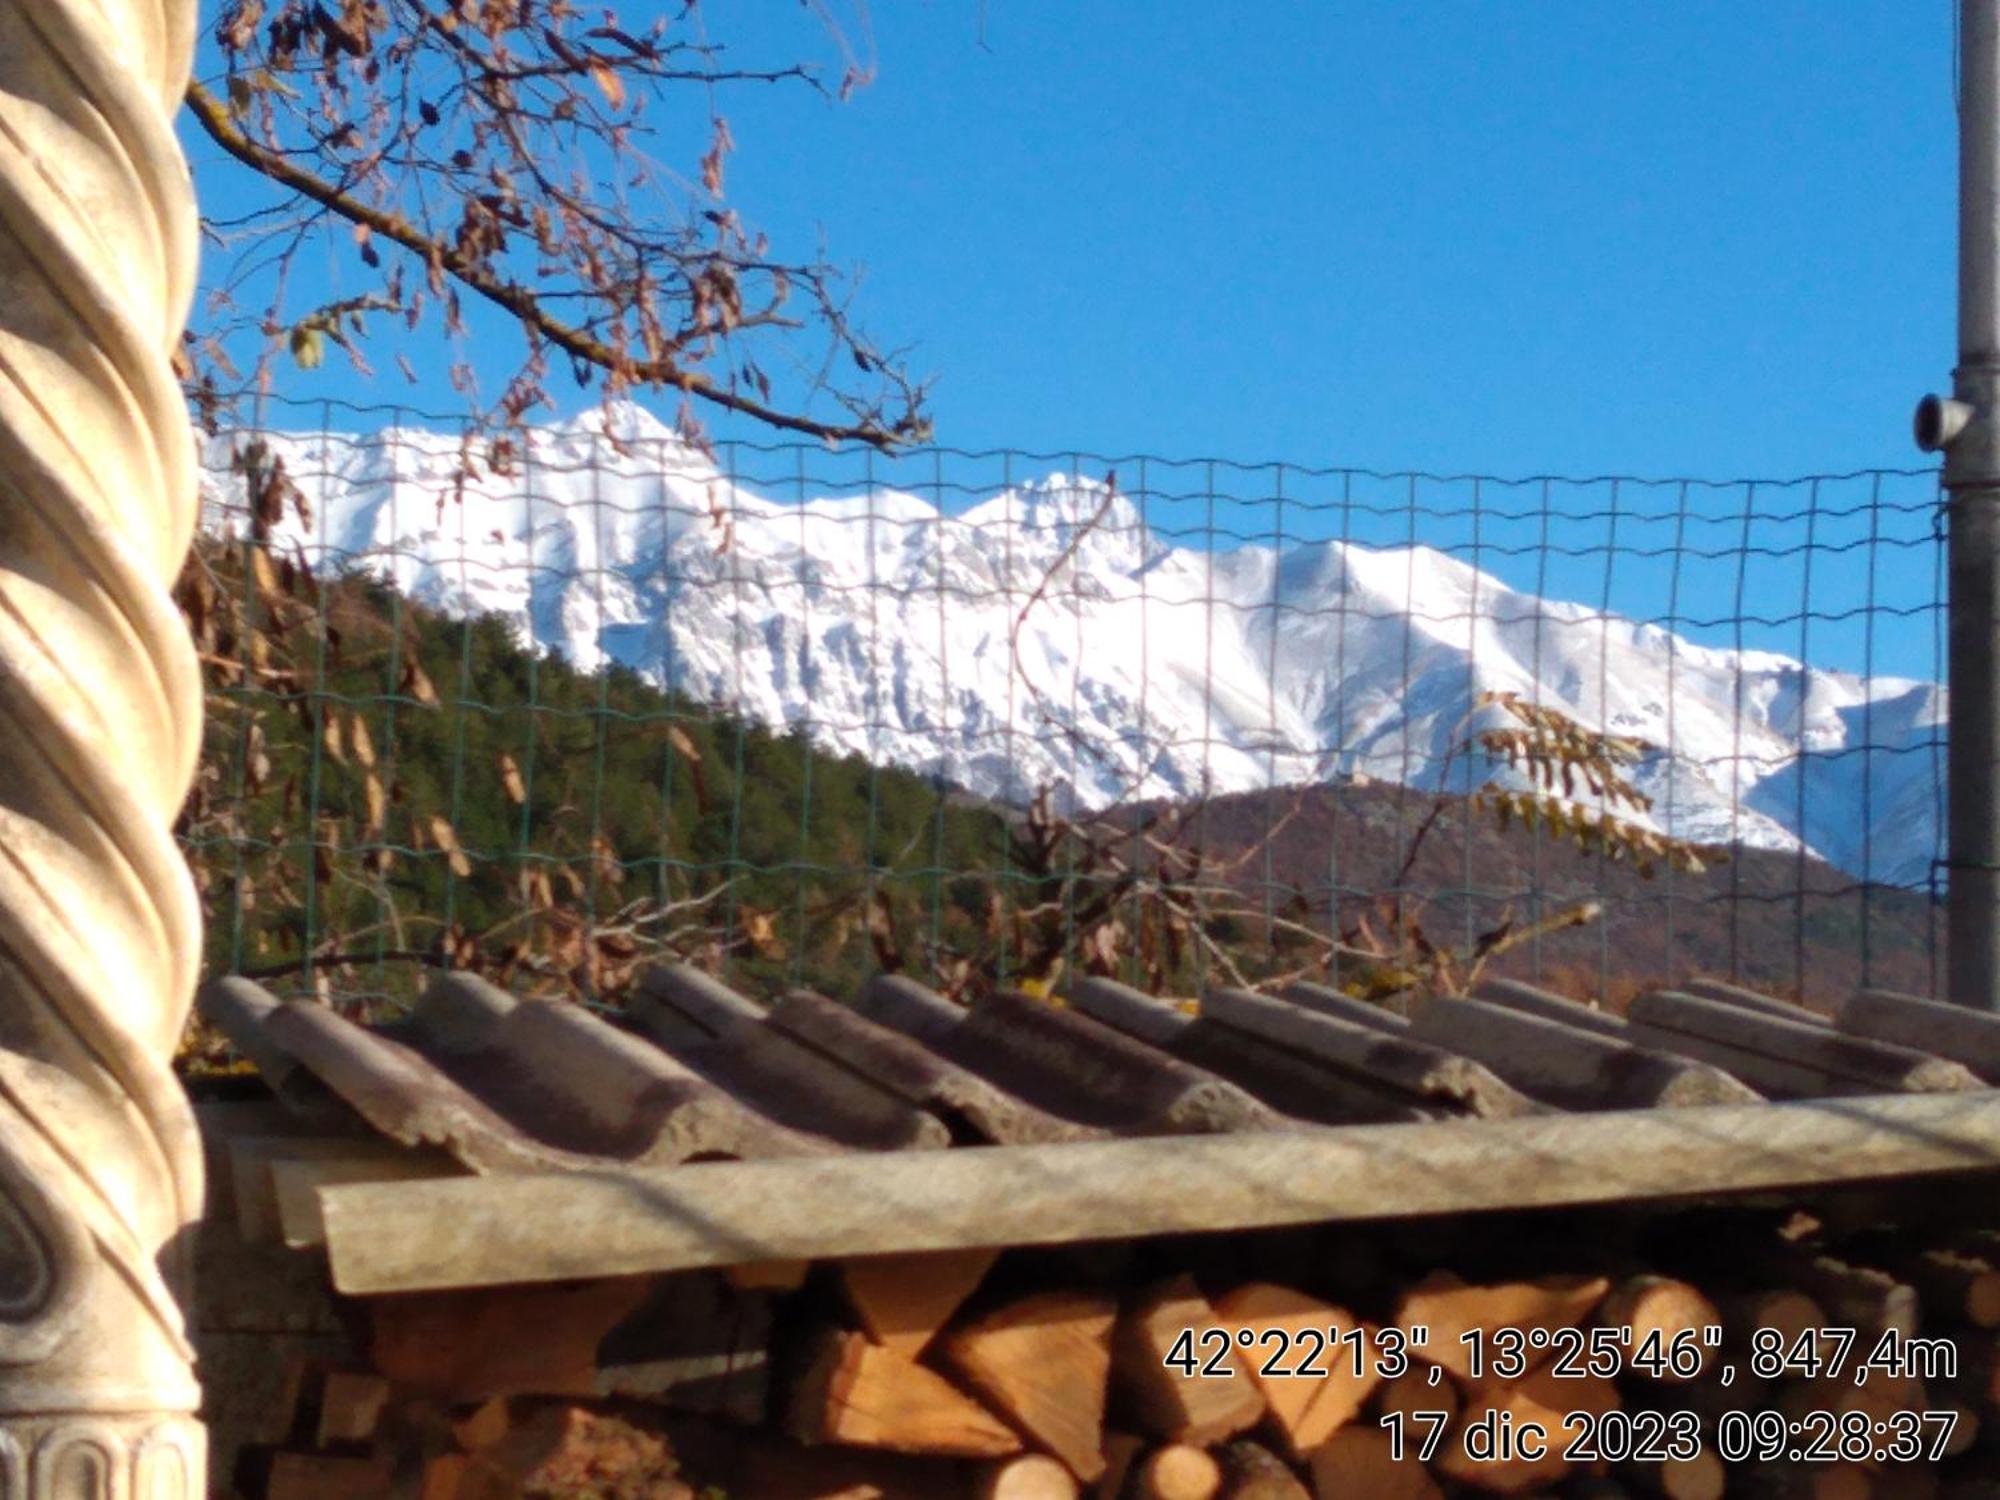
(387, 790)
(385, 787)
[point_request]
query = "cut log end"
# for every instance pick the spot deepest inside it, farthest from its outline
(857, 1393)
(903, 1300)
(1178, 1471)
(1305, 1409)
(1665, 1315)
(1702, 1477)
(1174, 1405)
(1449, 1308)
(1032, 1476)
(1044, 1362)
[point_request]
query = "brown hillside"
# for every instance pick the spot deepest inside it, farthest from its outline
(1776, 921)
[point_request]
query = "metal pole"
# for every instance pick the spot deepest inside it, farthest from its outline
(1967, 428)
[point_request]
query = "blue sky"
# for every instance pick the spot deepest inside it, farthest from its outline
(1706, 239)
(1500, 237)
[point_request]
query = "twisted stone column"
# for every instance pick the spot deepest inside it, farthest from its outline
(100, 713)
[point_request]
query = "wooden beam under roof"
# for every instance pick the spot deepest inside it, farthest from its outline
(402, 1236)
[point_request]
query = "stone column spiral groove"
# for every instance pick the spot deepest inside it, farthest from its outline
(100, 719)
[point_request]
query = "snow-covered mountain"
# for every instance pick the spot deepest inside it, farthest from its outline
(1043, 637)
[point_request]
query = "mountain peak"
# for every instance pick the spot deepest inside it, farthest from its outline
(621, 420)
(1045, 637)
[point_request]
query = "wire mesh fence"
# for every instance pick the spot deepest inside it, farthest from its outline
(553, 704)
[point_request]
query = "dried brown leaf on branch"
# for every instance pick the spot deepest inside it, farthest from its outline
(541, 171)
(417, 684)
(446, 838)
(378, 802)
(1556, 753)
(510, 779)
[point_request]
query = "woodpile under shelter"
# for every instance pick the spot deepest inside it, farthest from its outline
(516, 1198)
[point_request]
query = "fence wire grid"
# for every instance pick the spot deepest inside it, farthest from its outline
(556, 704)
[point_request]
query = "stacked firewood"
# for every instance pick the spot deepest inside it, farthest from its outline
(1335, 1365)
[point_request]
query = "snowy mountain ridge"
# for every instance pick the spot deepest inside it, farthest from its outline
(1044, 637)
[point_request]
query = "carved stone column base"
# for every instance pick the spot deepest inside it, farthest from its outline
(90, 1456)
